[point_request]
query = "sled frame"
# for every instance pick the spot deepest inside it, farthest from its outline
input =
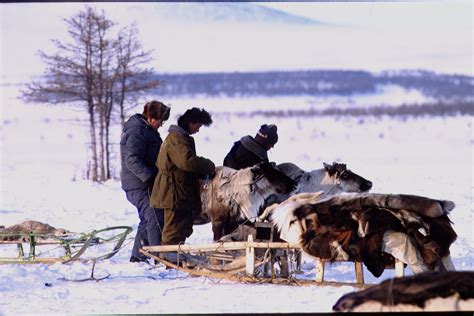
(67, 242)
(209, 251)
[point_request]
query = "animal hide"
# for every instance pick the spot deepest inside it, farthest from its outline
(414, 293)
(352, 226)
(235, 196)
(237, 190)
(20, 231)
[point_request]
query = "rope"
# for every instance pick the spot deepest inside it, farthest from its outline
(206, 194)
(336, 185)
(154, 214)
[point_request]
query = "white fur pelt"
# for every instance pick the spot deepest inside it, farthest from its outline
(282, 215)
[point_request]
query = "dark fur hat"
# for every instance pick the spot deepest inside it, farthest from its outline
(267, 135)
(157, 110)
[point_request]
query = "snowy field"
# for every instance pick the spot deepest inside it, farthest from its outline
(43, 156)
(43, 151)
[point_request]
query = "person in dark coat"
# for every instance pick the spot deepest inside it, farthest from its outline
(249, 151)
(176, 187)
(139, 146)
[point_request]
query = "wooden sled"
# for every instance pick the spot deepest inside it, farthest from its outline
(74, 245)
(242, 262)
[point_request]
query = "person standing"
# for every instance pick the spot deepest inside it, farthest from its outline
(176, 188)
(139, 147)
(249, 151)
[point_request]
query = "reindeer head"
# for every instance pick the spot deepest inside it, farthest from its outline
(347, 180)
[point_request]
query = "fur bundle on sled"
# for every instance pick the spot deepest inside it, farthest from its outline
(19, 232)
(429, 291)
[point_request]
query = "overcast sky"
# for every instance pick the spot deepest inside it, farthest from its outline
(446, 13)
(431, 35)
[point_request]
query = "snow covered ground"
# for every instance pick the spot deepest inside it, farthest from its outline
(43, 148)
(43, 155)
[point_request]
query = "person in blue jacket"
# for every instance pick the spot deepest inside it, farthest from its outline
(139, 147)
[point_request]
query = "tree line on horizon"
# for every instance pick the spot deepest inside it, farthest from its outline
(442, 87)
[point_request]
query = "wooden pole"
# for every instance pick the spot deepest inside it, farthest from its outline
(399, 269)
(250, 257)
(235, 245)
(21, 253)
(319, 270)
(32, 247)
(359, 272)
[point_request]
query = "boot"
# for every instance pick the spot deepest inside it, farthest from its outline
(136, 259)
(181, 259)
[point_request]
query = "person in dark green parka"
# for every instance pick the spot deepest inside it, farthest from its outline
(176, 187)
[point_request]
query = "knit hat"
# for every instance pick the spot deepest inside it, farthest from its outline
(267, 135)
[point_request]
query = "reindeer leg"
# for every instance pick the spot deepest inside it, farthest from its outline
(217, 229)
(231, 226)
(284, 264)
(448, 263)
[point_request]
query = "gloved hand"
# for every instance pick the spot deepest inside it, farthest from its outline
(150, 183)
(211, 176)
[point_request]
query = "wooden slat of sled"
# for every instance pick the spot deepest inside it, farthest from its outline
(235, 245)
(37, 242)
(358, 269)
(27, 260)
(40, 240)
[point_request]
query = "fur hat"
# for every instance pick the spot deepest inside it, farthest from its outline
(267, 135)
(157, 110)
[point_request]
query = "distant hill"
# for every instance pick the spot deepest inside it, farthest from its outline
(219, 12)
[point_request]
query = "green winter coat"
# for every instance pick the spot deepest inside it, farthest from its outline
(179, 169)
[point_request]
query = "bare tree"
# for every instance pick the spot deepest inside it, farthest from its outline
(130, 79)
(133, 78)
(100, 70)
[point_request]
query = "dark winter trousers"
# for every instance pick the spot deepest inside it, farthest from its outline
(151, 222)
(178, 226)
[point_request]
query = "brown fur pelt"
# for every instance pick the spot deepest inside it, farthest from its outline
(19, 232)
(368, 216)
(414, 293)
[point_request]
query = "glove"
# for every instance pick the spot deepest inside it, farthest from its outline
(212, 175)
(150, 183)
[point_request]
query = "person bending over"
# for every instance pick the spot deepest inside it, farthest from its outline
(139, 146)
(249, 151)
(176, 187)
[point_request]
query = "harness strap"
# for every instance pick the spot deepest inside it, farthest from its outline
(206, 193)
(336, 185)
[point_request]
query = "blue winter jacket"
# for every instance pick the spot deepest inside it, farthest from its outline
(139, 147)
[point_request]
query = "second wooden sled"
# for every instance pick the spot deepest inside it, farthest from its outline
(74, 245)
(199, 260)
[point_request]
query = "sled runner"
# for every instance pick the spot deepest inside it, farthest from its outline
(95, 245)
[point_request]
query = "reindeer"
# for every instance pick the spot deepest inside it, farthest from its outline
(332, 179)
(328, 181)
(234, 196)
